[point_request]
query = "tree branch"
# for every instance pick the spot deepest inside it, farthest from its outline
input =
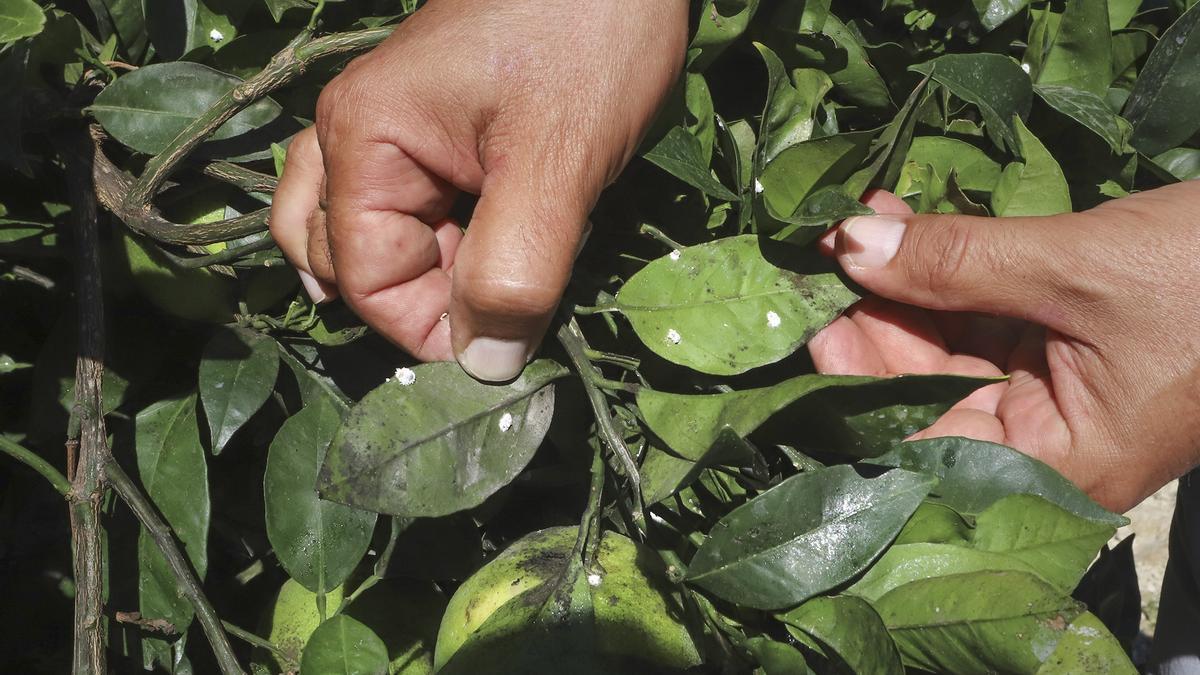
(185, 577)
(87, 437)
(240, 177)
(283, 68)
(33, 461)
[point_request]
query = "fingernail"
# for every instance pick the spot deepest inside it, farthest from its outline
(871, 241)
(494, 359)
(312, 287)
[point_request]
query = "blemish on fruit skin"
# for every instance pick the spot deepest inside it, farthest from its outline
(506, 421)
(673, 336)
(773, 319)
(406, 376)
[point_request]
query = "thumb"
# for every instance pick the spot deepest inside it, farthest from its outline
(1019, 267)
(512, 268)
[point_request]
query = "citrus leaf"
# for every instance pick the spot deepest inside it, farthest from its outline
(980, 622)
(799, 170)
(993, 82)
(1033, 187)
(720, 23)
(147, 108)
(1047, 537)
(976, 474)
(1088, 647)
(1162, 107)
(724, 308)
(850, 631)
(681, 154)
(237, 375)
(20, 19)
(810, 533)
(972, 168)
(174, 473)
(1089, 110)
(992, 13)
(777, 658)
(1080, 54)
(343, 646)
(853, 414)
(437, 441)
(318, 542)
(905, 563)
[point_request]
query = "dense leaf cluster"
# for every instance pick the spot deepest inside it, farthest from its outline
(283, 441)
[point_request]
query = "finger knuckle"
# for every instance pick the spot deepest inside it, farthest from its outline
(948, 251)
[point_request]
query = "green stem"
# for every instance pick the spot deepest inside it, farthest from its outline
(240, 177)
(658, 235)
(250, 638)
(221, 257)
(312, 20)
(575, 343)
(33, 461)
(185, 577)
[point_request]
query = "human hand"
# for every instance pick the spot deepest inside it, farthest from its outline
(1094, 316)
(534, 105)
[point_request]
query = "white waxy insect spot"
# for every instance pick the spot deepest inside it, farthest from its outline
(675, 254)
(673, 336)
(1025, 67)
(406, 376)
(594, 579)
(720, 122)
(773, 319)
(506, 421)
(758, 186)
(216, 35)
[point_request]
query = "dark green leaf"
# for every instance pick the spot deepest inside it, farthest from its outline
(905, 563)
(1162, 107)
(890, 148)
(20, 19)
(174, 473)
(343, 646)
(856, 415)
(720, 22)
(824, 207)
(810, 533)
(237, 375)
(147, 108)
(976, 623)
(681, 154)
(318, 542)
(1089, 110)
(723, 307)
(934, 523)
(808, 35)
(435, 441)
(976, 474)
(777, 658)
(278, 7)
(1032, 187)
(1080, 54)
(850, 631)
(788, 117)
(994, 83)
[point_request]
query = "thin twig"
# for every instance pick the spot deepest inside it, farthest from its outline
(572, 339)
(87, 443)
(29, 458)
(227, 255)
(252, 639)
(240, 177)
(181, 569)
(25, 274)
(282, 69)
